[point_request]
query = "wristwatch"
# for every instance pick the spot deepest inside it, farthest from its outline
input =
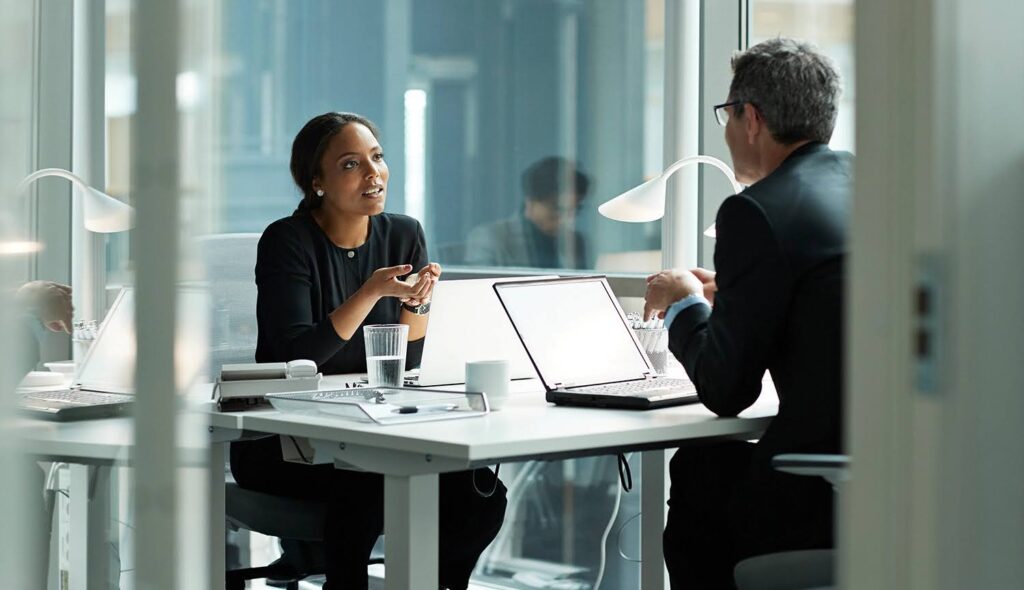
(421, 309)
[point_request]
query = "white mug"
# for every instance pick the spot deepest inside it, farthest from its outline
(490, 377)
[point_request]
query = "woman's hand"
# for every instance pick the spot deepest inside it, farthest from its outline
(424, 282)
(384, 283)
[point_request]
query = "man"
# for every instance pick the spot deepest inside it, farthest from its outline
(777, 299)
(543, 234)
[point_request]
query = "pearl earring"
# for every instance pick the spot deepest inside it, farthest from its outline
(319, 193)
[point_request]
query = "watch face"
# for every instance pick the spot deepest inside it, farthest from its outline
(420, 309)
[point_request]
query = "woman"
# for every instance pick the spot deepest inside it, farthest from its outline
(335, 264)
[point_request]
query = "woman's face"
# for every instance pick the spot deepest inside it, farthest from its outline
(353, 174)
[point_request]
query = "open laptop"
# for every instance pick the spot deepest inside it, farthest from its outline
(105, 382)
(583, 348)
(467, 323)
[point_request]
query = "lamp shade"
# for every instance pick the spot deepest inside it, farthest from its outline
(647, 201)
(102, 213)
(639, 204)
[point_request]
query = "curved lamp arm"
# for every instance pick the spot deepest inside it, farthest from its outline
(102, 213)
(647, 201)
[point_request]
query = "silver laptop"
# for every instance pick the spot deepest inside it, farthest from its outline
(582, 347)
(467, 323)
(105, 382)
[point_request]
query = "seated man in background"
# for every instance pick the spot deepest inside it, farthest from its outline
(778, 306)
(543, 235)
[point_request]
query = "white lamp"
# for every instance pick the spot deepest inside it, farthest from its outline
(103, 213)
(647, 201)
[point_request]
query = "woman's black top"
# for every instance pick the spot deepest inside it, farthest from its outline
(301, 277)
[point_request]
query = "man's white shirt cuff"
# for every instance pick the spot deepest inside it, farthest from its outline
(677, 307)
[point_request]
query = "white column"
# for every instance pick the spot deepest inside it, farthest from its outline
(89, 528)
(88, 155)
(216, 511)
(410, 531)
(653, 512)
(679, 226)
(156, 195)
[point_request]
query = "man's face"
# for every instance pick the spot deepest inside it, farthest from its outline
(741, 132)
(741, 145)
(550, 217)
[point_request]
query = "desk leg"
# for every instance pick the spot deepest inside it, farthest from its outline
(654, 510)
(89, 506)
(215, 497)
(410, 532)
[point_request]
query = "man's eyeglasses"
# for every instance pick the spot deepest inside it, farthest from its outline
(721, 114)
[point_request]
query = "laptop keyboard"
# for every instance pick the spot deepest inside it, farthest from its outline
(75, 397)
(642, 388)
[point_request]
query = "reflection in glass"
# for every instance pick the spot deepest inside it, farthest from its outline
(464, 115)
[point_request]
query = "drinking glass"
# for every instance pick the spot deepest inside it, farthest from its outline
(385, 354)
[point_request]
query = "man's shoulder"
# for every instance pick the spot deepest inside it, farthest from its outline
(818, 169)
(499, 229)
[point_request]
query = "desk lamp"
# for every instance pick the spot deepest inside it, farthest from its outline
(647, 201)
(103, 214)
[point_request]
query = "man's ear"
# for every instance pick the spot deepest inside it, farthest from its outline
(753, 123)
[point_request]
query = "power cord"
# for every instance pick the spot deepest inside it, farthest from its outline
(494, 487)
(611, 521)
(625, 474)
(298, 450)
(618, 539)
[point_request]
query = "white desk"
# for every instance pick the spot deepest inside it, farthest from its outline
(91, 448)
(411, 456)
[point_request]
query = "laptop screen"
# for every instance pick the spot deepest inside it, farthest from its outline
(467, 323)
(574, 331)
(109, 365)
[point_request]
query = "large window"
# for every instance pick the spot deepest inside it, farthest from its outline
(829, 25)
(504, 124)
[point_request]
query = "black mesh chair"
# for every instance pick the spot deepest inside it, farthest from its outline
(299, 524)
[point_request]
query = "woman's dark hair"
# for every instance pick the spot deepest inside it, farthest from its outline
(308, 149)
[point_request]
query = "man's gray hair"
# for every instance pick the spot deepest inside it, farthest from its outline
(795, 88)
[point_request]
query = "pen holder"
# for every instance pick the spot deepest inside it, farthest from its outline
(655, 343)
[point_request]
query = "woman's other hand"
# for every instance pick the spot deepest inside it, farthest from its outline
(424, 281)
(384, 283)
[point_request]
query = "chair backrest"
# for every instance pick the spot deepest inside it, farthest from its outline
(230, 271)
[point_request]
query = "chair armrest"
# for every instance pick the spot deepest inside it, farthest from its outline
(834, 468)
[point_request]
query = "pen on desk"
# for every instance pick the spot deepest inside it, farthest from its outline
(430, 408)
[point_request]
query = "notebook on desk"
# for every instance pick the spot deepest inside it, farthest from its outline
(467, 323)
(583, 348)
(104, 384)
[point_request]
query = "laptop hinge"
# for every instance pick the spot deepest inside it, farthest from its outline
(560, 385)
(649, 375)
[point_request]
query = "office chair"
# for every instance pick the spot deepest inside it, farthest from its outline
(230, 264)
(299, 524)
(230, 272)
(812, 569)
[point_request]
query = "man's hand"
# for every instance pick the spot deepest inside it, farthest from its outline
(708, 278)
(50, 302)
(667, 287)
